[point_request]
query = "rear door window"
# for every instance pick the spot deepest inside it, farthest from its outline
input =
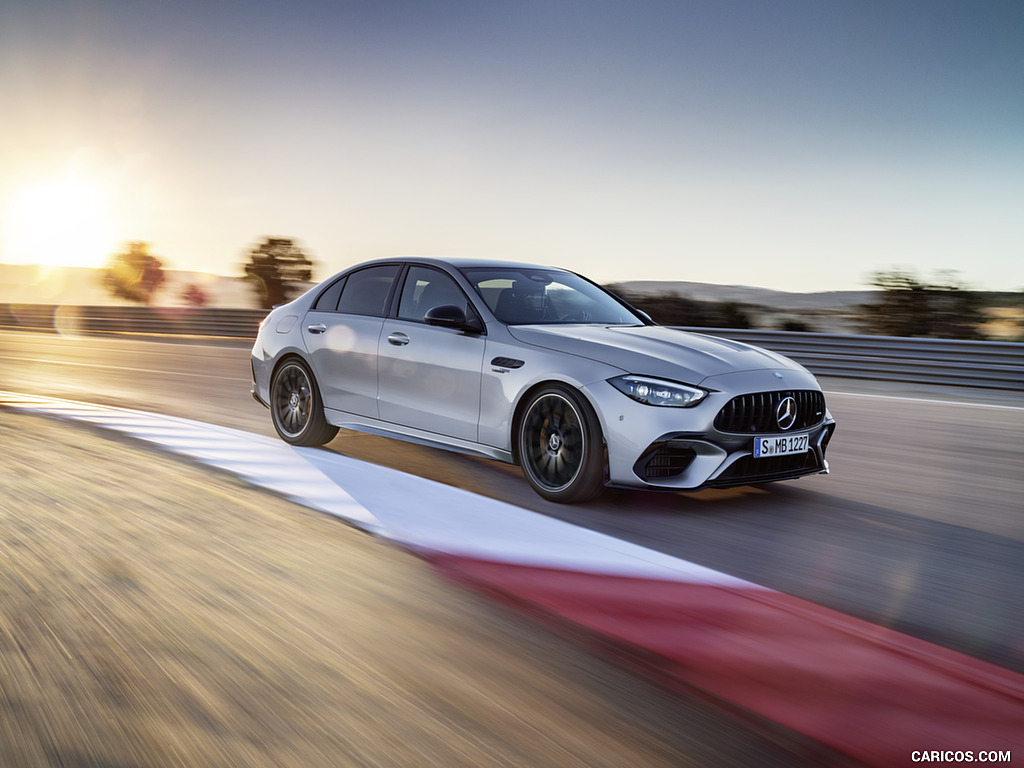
(366, 292)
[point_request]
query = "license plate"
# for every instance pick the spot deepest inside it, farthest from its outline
(779, 446)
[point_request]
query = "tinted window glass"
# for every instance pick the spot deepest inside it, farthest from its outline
(366, 291)
(426, 288)
(328, 300)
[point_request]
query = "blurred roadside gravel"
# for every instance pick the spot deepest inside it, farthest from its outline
(155, 613)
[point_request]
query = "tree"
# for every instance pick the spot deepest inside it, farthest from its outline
(134, 275)
(796, 324)
(275, 267)
(733, 314)
(668, 308)
(194, 296)
(910, 307)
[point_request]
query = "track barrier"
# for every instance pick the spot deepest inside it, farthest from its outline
(990, 364)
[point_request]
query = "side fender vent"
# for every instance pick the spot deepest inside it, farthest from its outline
(507, 362)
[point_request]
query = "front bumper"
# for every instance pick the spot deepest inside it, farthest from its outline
(685, 462)
(680, 449)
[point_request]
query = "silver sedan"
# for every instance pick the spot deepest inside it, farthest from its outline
(538, 367)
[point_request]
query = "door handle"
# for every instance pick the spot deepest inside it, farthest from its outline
(316, 328)
(398, 339)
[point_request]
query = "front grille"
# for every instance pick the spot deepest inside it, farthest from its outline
(757, 412)
(747, 469)
(664, 460)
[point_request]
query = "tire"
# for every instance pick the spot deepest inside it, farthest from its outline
(560, 447)
(296, 408)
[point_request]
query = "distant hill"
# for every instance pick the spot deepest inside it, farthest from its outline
(762, 297)
(823, 311)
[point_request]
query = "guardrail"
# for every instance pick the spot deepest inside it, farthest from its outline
(992, 364)
(157, 321)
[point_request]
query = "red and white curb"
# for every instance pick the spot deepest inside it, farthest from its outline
(861, 689)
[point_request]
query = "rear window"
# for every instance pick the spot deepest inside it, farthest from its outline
(328, 300)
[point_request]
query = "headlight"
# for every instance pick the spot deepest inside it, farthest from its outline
(650, 391)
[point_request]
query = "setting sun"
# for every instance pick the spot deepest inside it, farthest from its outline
(60, 221)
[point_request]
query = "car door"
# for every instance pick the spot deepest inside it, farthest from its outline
(429, 377)
(342, 332)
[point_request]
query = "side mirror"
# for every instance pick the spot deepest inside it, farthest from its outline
(451, 316)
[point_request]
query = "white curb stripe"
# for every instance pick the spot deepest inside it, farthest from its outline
(409, 510)
(257, 459)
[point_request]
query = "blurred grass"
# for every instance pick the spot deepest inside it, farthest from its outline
(156, 614)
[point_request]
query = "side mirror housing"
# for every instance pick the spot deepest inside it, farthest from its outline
(451, 316)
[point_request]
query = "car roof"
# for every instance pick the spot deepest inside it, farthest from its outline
(459, 262)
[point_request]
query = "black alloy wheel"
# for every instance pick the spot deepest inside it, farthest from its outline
(295, 406)
(560, 446)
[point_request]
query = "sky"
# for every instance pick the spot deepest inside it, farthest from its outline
(797, 145)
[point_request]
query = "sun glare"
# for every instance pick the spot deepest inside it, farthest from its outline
(63, 221)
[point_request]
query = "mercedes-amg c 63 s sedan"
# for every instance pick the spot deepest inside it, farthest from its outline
(538, 367)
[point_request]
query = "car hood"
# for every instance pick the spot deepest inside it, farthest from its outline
(654, 350)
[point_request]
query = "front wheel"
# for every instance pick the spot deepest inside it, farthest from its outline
(296, 408)
(560, 446)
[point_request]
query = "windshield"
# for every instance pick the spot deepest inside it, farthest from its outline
(535, 296)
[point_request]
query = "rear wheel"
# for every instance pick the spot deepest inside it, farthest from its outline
(560, 446)
(295, 406)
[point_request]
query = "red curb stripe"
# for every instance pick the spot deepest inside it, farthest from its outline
(859, 688)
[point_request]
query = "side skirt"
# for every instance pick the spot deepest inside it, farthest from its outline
(417, 436)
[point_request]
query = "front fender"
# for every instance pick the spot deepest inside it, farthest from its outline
(503, 387)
